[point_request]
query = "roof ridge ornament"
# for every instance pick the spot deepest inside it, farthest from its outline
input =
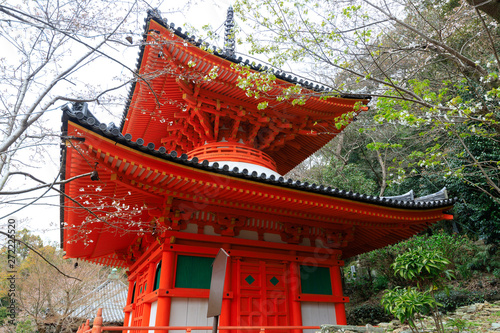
(229, 38)
(154, 13)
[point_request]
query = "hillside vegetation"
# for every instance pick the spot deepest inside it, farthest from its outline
(474, 267)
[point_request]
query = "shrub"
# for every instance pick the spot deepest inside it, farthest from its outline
(359, 289)
(3, 315)
(25, 326)
(380, 283)
(406, 303)
(459, 250)
(496, 273)
(457, 298)
(367, 314)
(426, 267)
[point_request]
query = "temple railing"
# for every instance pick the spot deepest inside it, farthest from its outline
(98, 327)
(234, 152)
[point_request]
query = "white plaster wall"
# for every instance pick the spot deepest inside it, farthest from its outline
(250, 167)
(191, 228)
(317, 313)
(152, 315)
(275, 238)
(209, 230)
(189, 311)
(130, 319)
(248, 234)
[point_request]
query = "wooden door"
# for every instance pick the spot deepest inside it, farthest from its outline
(261, 295)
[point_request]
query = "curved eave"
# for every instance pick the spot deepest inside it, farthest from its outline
(157, 160)
(153, 175)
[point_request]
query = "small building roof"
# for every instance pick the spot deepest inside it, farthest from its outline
(111, 296)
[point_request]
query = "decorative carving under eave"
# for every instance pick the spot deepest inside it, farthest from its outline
(292, 233)
(337, 238)
(130, 254)
(176, 220)
(229, 225)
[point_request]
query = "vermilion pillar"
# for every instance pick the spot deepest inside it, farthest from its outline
(225, 318)
(337, 291)
(294, 289)
(129, 299)
(166, 281)
(149, 288)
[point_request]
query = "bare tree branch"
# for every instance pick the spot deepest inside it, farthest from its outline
(40, 186)
(40, 255)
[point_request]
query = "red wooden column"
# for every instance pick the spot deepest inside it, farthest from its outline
(166, 281)
(225, 318)
(235, 307)
(128, 314)
(337, 291)
(149, 288)
(294, 291)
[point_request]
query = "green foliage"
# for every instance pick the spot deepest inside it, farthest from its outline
(424, 266)
(364, 286)
(359, 289)
(367, 314)
(380, 283)
(496, 273)
(460, 324)
(406, 303)
(453, 299)
(25, 326)
(485, 258)
(3, 315)
(436, 119)
(348, 177)
(458, 250)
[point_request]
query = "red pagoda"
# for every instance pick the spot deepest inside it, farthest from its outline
(196, 166)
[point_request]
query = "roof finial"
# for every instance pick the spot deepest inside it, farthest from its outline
(229, 41)
(113, 275)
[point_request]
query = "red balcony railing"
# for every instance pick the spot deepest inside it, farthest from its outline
(98, 328)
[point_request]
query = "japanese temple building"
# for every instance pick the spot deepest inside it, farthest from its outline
(196, 166)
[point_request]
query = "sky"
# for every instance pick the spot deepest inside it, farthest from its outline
(43, 214)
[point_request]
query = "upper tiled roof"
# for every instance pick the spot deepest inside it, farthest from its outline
(198, 42)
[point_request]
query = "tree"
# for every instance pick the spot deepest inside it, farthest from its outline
(56, 53)
(49, 290)
(53, 53)
(431, 66)
(428, 268)
(54, 304)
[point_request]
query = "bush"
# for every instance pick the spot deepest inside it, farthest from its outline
(428, 268)
(367, 314)
(3, 315)
(380, 283)
(457, 298)
(496, 273)
(359, 289)
(459, 250)
(25, 326)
